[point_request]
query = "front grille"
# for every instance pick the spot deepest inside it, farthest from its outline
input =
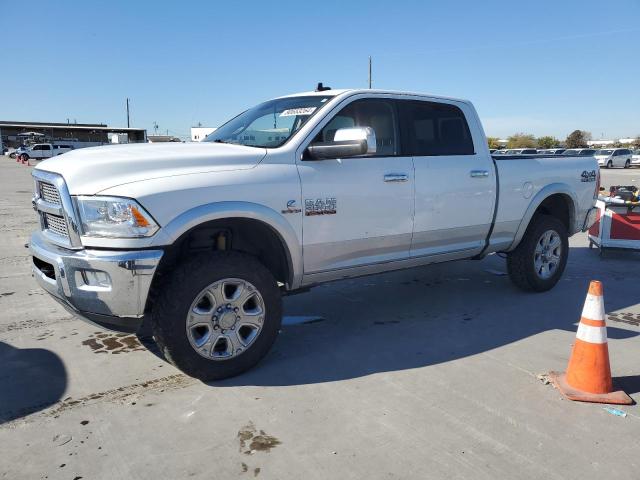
(49, 193)
(56, 224)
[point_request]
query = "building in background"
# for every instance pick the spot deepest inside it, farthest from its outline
(610, 143)
(199, 133)
(14, 134)
(162, 138)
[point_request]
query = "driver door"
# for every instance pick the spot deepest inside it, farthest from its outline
(358, 211)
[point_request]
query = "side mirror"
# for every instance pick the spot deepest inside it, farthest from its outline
(347, 142)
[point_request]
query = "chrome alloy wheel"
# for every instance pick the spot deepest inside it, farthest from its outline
(547, 254)
(225, 319)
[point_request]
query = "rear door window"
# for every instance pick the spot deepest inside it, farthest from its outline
(431, 129)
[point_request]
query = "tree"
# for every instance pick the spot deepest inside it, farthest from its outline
(636, 142)
(577, 139)
(521, 140)
(493, 142)
(548, 142)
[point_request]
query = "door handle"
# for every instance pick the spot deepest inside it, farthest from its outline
(396, 177)
(479, 173)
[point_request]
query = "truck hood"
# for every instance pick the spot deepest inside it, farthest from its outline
(89, 171)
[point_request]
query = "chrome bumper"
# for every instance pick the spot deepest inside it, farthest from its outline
(108, 288)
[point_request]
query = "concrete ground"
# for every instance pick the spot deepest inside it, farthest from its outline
(424, 373)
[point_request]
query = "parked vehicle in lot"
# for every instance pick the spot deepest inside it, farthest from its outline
(635, 158)
(521, 151)
(580, 152)
(40, 151)
(202, 239)
(552, 151)
(614, 157)
(18, 151)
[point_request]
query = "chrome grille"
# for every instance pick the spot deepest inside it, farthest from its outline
(49, 193)
(55, 209)
(56, 224)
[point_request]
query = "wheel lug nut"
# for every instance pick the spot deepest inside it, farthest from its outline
(236, 309)
(228, 305)
(215, 327)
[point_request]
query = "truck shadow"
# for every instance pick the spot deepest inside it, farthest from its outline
(421, 317)
(31, 380)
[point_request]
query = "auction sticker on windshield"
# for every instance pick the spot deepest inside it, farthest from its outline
(291, 112)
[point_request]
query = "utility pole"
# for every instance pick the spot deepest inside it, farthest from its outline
(369, 71)
(155, 127)
(128, 125)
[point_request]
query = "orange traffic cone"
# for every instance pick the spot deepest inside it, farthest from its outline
(588, 376)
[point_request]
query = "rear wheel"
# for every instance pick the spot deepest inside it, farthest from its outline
(609, 164)
(539, 260)
(627, 164)
(217, 315)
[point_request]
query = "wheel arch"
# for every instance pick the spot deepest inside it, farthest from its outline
(556, 200)
(263, 222)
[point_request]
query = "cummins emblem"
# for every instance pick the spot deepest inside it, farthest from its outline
(320, 206)
(291, 207)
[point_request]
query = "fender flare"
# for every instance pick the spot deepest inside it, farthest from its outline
(536, 201)
(238, 209)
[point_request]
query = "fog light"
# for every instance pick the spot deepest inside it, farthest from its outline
(93, 279)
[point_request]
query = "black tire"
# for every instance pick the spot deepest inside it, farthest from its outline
(627, 164)
(520, 262)
(609, 164)
(184, 283)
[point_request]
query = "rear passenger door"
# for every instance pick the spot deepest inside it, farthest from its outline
(455, 184)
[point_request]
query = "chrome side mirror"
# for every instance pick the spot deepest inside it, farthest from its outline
(347, 142)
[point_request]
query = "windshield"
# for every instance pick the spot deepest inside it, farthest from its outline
(269, 124)
(604, 152)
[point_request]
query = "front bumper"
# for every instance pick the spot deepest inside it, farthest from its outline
(104, 287)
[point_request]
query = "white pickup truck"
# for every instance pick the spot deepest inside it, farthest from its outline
(40, 151)
(204, 238)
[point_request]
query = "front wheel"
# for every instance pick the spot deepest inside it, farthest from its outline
(217, 315)
(627, 164)
(538, 261)
(609, 164)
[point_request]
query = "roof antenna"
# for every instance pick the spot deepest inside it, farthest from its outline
(322, 88)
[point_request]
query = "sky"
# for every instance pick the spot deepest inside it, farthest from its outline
(543, 67)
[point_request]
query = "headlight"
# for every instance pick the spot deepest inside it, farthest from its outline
(114, 217)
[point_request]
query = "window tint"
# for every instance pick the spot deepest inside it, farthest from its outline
(377, 114)
(434, 129)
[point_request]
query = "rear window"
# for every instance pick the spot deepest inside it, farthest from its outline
(431, 129)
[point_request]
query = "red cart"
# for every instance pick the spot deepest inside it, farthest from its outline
(617, 224)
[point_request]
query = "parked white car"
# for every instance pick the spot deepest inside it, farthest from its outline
(203, 239)
(552, 151)
(614, 157)
(521, 151)
(580, 152)
(635, 158)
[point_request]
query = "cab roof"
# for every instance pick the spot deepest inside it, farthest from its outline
(353, 91)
